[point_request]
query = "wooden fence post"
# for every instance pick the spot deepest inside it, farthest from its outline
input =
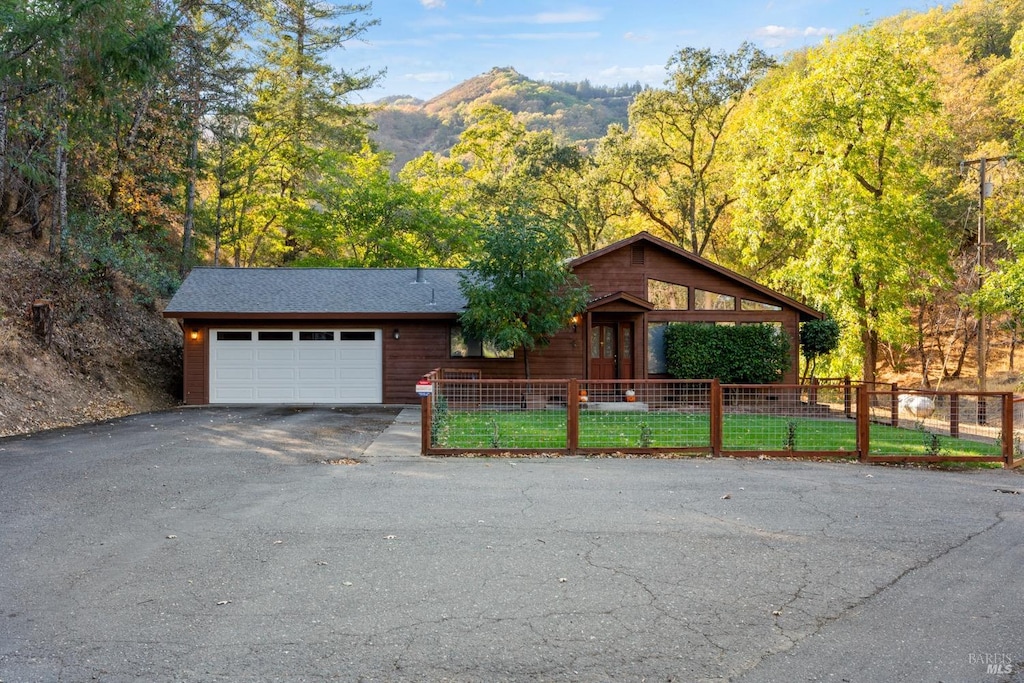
(716, 417)
(572, 417)
(847, 403)
(426, 421)
(1007, 435)
(954, 415)
(863, 423)
(894, 406)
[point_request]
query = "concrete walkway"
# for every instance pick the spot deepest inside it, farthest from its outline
(399, 441)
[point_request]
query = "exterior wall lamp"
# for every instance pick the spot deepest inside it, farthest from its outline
(575, 320)
(396, 334)
(194, 334)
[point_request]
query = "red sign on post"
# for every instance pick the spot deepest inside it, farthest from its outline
(424, 388)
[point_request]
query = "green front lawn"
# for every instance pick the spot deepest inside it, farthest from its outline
(546, 429)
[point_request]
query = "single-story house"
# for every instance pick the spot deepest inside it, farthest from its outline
(348, 335)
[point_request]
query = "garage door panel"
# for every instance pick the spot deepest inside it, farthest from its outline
(275, 392)
(233, 352)
(321, 355)
(339, 366)
(277, 374)
(318, 375)
(274, 352)
(230, 374)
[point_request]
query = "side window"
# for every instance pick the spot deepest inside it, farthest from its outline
(460, 346)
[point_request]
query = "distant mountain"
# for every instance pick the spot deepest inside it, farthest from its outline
(408, 127)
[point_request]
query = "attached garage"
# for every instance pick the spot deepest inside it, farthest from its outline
(304, 336)
(295, 366)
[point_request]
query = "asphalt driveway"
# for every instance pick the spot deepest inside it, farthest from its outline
(219, 545)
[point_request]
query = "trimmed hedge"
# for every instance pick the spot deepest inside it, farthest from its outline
(741, 354)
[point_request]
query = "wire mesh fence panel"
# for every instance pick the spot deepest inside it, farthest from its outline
(641, 415)
(1018, 428)
(499, 415)
(935, 425)
(791, 419)
(821, 419)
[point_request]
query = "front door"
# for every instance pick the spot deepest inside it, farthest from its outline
(604, 352)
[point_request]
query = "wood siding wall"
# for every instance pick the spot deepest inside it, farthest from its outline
(422, 346)
(620, 271)
(196, 381)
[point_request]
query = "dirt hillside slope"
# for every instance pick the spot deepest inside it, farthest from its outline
(109, 355)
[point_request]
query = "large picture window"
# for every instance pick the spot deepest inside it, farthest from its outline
(751, 305)
(462, 347)
(668, 296)
(713, 301)
(656, 348)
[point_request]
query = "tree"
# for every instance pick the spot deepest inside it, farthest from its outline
(361, 217)
(300, 111)
(669, 162)
(831, 160)
(209, 80)
(817, 338)
(499, 166)
(519, 292)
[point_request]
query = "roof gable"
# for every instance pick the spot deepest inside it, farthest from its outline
(622, 298)
(645, 238)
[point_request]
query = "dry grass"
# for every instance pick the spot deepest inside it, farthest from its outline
(109, 356)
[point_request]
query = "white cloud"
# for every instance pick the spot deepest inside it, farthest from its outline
(777, 36)
(636, 37)
(433, 4)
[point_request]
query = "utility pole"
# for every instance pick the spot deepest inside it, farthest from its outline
(984, 191)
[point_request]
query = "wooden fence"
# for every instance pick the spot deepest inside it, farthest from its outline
(464, 414)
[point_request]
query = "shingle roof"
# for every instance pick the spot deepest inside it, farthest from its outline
(318, 290)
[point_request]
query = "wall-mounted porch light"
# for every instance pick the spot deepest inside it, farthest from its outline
(194, 334)
(396, 334)
(575, 320)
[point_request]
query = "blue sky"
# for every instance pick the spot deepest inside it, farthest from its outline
(428, 46)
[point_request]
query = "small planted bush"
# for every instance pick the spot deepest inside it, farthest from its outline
(741, 354)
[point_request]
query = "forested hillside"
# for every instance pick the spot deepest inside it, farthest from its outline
(577, 112)
(140, 138)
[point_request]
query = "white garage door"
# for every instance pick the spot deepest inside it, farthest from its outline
(295, 366)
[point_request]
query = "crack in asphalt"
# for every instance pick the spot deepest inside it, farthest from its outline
(825, 620)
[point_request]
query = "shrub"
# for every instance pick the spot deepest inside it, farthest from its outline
(105, 244)
(741, 354)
